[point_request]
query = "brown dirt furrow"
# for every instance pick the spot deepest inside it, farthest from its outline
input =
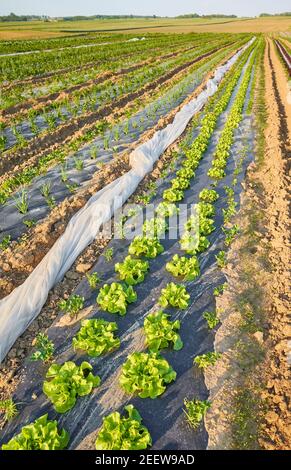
(250, 384)
(14, 163)
(46, 100)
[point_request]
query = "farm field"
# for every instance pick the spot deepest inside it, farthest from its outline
(42, 30)
(144, 235)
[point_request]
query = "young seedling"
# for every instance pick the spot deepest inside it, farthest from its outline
(21, 202)
(46, 190)
(221, 259)
(205, 360)
(79, 164)
(230, 234)
(94, 152)
(211, 319)
(64, 175)
(45, 348)
(29, 222)
(115, 297)
(5, 242)
(219, 289)
(72, 305)
(93, 279)
(108, 254)
(9, 408)
(195, 411)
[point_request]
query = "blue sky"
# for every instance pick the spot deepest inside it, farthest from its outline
(148, 7)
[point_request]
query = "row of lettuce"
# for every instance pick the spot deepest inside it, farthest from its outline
(147, 374)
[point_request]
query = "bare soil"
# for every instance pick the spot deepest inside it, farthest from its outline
(250, 385)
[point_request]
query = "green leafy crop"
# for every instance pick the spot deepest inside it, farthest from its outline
(143, 246)
(221, 259)
(211, 318)
(174, 295)
(195, 410)
(72, 305)
(206, 209)
(96, 337)
(167, 209)
(146, 374)
(173, 195)
(132, 271)
(45, 348)
(155, 227)
(208, 195)
(68, 381)
(9, 408)
(93, 279)
(42, 434)
(161, 332)
(123, 432)
(113, 298)
(180, 266)
(206, 360)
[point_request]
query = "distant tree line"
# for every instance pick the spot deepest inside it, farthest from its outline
(106, 17)
(216, 15)
(13, 17)
(286, 13)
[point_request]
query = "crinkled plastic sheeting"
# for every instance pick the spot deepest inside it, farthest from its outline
(21, 307)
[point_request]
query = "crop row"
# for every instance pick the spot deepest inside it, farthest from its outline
(89, 99)
(34, 64)
(40, 86)
(11, 183)
(145, 374)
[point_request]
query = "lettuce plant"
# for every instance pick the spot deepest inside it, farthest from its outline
(206, 225)
(191, 246)
(96, 337)
(123, 432)
(186, 173)
(180, 266)
(113, 298)
(208, 195)
(132, 270)
(155, 227)
(42, 434)
(174, 295)
(173, 195)
(180, 183)
(216, 173)
(167, 209)
(68, 381)
(8, 408)
(206, 209)
(143, 246)
(146, 374)
(161, 332)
